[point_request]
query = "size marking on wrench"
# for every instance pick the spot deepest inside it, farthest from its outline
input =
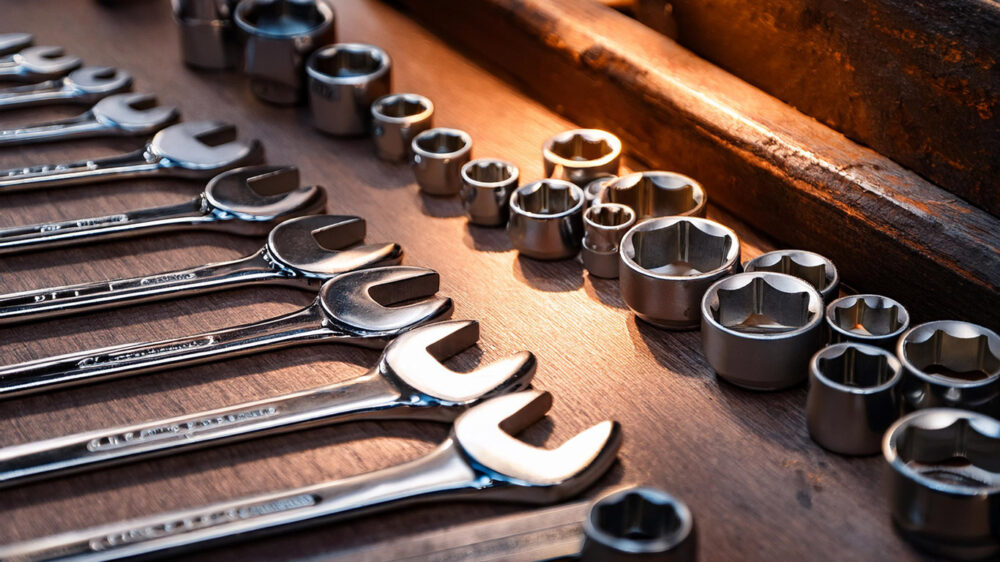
(81, 87)
(185, 428)
(35, 64)
(197, 150)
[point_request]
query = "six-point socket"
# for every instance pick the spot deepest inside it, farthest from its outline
(814, 268)
(869, 319)
(656, 194)
(438, 157)
(396, 119)
(581, 155)
(639, 523)
(546, 219)
(604, 226)
(344, 80)
(487, 185)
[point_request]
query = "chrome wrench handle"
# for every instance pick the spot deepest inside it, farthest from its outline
(33, 94)
(75, 127)
(443, 473)
(359, 398)
(308, 324)
(85, 297)
(140, 162)
(49, 235)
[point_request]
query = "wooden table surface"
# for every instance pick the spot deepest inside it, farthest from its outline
(760, 489)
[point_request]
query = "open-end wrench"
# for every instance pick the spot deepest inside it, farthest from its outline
(247, 201)
(409, 382)
(302, 253)
(196, 150)
(480, 460)
(356, 308)
(14, 42)
(121, 115)
(36, 64)
(84, 87)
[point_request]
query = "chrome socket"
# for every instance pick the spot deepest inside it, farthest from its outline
(546, 219)
(581, 155)
(947, 508)
(604, 226)
(487, 185)
(853, 397)
(759, 330)
(639, 523)
(951, 364)
(208, 37)
(657, 194)
(344, 79)
(438, 157)
(279, 35)
(814, 268)
(667, 264)
(869, 319)
(396, 119)
(595, 187)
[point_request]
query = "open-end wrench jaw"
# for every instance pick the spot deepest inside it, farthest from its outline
(413, 364)
(261, 197)
(42, 63)
(202, 148)
(92, 83)
(133, 114)
(13, 42)
(322, 246)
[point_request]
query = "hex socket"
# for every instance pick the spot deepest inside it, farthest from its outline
(853, 397)
(639, 523)
(344, 79)
(667, 264)
(279, 35)
(595, 186)
(657, 194)
(546, 219)
(438, 157)
(581, 155)
(760, 330)
(819, 271)
(396, 120)
(951, 364)
(208, 37)
(604, 226)
(487, 185)
(869, 319)
(944, 493)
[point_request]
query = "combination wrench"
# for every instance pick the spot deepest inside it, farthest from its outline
(409, 383)
(84, 86)
(247, 201)
(121, 115)
(196, 150)
(479, 460)
(36, 64)
(300, 253)
(14, 42)
(367, 308)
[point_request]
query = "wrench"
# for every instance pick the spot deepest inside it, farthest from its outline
(84, 86)
(196, 150)
(480, 460)
(121, 115)
(354, 308)
(36, 64)
(14, 42)
(409, 382)
(247, 201)
(302, 253)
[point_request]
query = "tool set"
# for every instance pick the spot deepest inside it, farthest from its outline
(762, 322)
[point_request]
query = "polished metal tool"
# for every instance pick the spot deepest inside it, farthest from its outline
(487, 184)
(951, 364)
(85, 86)
(853, 397)
(208, 37)
(595, 186)
(278, 37)
(656, 194)
(409, 382)
(121, 115)
(820, 272)
(546, 220)
(248, 201)
(301, 253)
(632, 523)
(36, 64)
(367, 308)
(869, 319)
(197, 150)
(667, 264)
(604, 226)
(480, 460)
(396, 120)
(943, 474)
(581, 155)
(759, 330)
(14, 42)
(344, 79)
(438, 157)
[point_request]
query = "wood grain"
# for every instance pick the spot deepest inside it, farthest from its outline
(760, 489)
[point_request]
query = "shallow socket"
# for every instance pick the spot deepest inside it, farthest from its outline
(283, 17)
(681, 249)
(871, 319)
(548, 197)
(817, 270)
(441, 141)
(401, 106)
(581, 155)
(657, 194)
(349, 61)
